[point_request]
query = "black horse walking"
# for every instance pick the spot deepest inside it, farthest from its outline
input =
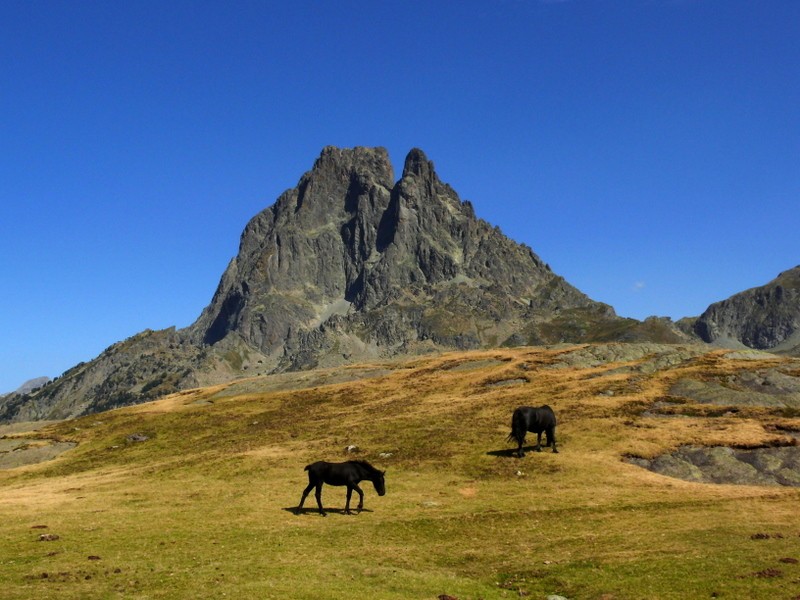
(536, 420)
(347, 473)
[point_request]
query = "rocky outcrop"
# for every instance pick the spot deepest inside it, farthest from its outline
(765, 318)
(720, 464)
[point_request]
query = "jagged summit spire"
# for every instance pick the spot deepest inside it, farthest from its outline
(373, 160)
(418, 164)
(359, 159)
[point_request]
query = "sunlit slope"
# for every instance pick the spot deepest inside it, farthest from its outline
(191, 496)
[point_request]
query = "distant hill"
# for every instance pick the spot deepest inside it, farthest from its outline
(351, 265)
(29, 386)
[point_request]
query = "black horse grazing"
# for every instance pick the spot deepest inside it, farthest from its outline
(347, 473)
(536, 420)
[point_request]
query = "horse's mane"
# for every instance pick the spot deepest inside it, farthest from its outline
(366, 465)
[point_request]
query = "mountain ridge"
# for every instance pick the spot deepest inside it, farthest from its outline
(350, 265)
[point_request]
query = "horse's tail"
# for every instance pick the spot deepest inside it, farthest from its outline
(517, 428)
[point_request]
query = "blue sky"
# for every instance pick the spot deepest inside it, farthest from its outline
(648, 150)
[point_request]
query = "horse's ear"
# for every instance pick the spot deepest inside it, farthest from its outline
(383, 472)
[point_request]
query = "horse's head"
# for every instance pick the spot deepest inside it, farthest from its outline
(379, 483)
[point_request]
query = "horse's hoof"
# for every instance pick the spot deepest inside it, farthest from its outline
(555, 451)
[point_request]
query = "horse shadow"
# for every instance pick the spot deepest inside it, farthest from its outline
(510, 452)
(315, 510)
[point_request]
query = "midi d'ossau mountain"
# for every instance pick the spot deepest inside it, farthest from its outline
(352, 265)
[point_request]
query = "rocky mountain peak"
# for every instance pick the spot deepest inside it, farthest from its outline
(350, 249)
(348, 265)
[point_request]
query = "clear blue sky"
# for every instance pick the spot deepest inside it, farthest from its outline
(648, 150)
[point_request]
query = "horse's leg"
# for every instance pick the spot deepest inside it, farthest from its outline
(347, 506)
(318, 495)
(521, 442)
(539, 442)
(303, 499)
(551, 437)
(360, 497)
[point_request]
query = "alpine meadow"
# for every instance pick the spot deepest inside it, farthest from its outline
(194, 495)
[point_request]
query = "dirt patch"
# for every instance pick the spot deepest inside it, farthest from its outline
(666, 408)
(468, 492)
(20, 452)
(749, 355)
(270, 452)
(298, 381)
(23, 427)
(720, 464)
(505, 382)
(473, 365)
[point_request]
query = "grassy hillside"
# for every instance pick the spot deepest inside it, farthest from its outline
(202, 508)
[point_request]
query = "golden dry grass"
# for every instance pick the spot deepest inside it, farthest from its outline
(202, 508)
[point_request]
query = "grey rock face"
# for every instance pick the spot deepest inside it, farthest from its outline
(303, 257)
(766, 317)
(350, 264)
